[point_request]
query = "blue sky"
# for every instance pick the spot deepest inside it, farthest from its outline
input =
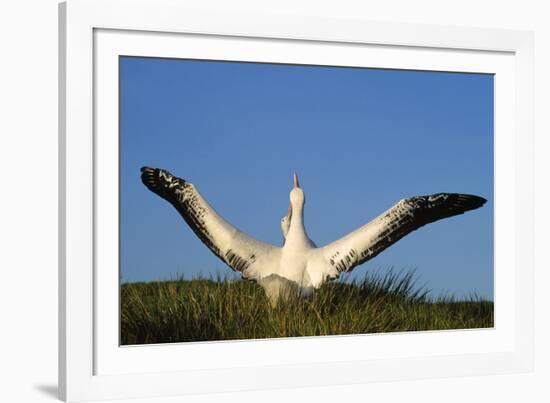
(360, 140)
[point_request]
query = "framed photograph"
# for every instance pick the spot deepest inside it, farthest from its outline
(189, 143)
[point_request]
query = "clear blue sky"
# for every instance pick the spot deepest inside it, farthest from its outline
(360, 140)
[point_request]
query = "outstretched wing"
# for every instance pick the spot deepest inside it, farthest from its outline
(239, 251)
(406, 216)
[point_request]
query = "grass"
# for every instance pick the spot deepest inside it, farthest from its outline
(222, 309)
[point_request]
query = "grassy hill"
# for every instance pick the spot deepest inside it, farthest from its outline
(222, 309)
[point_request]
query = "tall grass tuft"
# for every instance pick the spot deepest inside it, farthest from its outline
(206, 309)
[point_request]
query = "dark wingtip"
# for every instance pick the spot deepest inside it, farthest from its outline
(471, 202)
(149, 177)
(161, 182)
(480, 200)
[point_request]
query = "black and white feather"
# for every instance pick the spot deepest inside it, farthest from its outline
(239, 251)
(406, 216)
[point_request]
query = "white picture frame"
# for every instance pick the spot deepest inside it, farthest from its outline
(93, 366)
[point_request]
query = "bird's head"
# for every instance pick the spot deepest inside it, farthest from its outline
(285, 222)
(297, 196)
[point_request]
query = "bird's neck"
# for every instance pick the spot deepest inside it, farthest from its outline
(297, 230)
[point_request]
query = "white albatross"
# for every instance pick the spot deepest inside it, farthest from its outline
(300, 265)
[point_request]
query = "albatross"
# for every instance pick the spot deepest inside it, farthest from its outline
(299, 265)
